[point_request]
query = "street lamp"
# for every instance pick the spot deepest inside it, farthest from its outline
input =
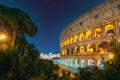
(3, 44)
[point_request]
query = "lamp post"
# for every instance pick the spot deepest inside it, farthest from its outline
(2, 36)
(3, 44)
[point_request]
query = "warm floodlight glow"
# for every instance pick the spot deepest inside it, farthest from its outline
(2, 36)
(102, 51)
(111, 56)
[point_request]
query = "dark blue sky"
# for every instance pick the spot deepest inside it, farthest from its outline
(51, 16)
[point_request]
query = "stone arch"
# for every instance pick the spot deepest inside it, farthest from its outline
(90, 62)
(62, 60)
(82, 49)
(99, 48)
(100, 64)
(76, 50)
(109, 29)
(67, 51)
(65, 42)
(83, 63)
(76, 63)
(71, 40)
(88, 34)
(75, 38)
(89, 48)
(68, 41)
(72, 50)
(98, 32)
(81, 36)
(72, 62)
(119, 26)
(63, 52)
(68, 61)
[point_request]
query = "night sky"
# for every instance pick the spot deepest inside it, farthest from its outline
(51, 16)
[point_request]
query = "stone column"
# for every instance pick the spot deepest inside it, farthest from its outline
(86, 62)
(69, 51)
(94, 48)
(74, 62)
(93, 33)
(85, 49)
(116, 28)
(103, 30)
(79, 62)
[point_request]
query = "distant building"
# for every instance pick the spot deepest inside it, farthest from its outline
(43, 56)
(49, 55)
(84, 40)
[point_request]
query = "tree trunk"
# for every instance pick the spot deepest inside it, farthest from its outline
(13, 40)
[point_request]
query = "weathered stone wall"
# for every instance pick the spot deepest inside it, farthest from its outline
(106, 17)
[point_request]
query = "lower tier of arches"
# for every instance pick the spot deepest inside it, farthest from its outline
(83, 61)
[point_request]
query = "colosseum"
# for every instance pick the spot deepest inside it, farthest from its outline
(86, 40)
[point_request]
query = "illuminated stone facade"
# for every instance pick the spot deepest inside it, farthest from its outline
(85, 40)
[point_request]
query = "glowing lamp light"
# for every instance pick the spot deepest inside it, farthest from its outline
(2, 36)
(102, 51)
(111, 56)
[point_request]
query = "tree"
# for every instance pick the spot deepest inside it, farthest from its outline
(18, 23)
(85, 73)
(111, 69)
(17, 62)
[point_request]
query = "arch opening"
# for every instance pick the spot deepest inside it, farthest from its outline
(100, 64)
(89, 49)
(76, 63)
(76, 50)
(75, 38)
(98, 32)
(109, 30)
(100, 48)
(82, 48)
(90, 63)
(68, 42)
(71, 40)
(88, 35)
(72, 60)
(81, 36)
(83, 63)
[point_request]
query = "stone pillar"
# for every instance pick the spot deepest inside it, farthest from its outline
(64, 61)
(103, 30)
(93, 31)
(79, 62)
(70, 61)
(83, 65)
(74, 62)
(95, 62)
(72, 50)
(85, 49)
(69, 51)
(84, 33)
(117, 27)
(94, 48)
(86, 62)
